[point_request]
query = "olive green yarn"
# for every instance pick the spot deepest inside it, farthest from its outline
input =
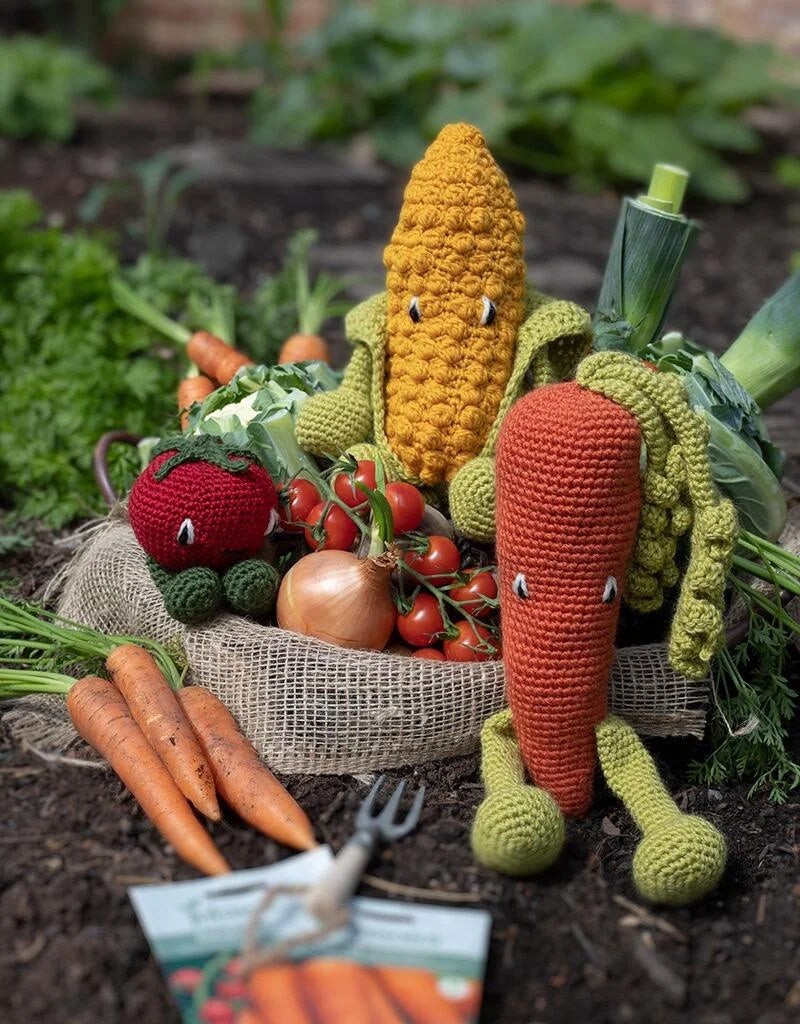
(518, 829)
(681, 857)
(190, 596)
(251, 587)
(550, 341)
(472, 499)
(678, 494)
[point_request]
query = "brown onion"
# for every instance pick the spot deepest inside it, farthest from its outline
(340, 598)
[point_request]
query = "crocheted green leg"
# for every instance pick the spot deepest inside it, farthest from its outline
(518, 829)
(251, 587)
(681, 856)
(329, 423)
(472, 499)
(190, 596)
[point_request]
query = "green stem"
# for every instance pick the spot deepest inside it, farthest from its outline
(768, 574)
(128, 300)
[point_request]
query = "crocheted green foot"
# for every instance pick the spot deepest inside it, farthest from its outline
(518, 831)
(680, 861)
(251, 587)
(472, 499)
(190, 596)
(681, 857)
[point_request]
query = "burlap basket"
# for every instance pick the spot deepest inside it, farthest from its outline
(311, 707)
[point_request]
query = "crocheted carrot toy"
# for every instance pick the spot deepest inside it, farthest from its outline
(200, 510)
(578, 526)
(441, 355)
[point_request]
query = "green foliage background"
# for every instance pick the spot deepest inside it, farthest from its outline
(594, 93)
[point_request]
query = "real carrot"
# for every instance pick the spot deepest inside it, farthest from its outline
(161, 718)
(416, 993)
(103, 719)
(301, 347)
(215, 357)
(193, 388)
(276, 994)
(248, 1015)
(241, 778)
(337, 990)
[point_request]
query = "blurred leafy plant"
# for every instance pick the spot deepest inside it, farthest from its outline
(40, 82)
(78, 366)
(592, 92)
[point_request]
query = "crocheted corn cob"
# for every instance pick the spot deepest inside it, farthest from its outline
(568, 503)
(456, 285)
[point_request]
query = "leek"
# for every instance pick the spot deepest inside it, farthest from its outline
(765, 358)
(651, 241)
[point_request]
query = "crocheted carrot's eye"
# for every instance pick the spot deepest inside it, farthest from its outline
(186, 533)
(489, 311)
(610, 590)
(520, 586)
(413, 309)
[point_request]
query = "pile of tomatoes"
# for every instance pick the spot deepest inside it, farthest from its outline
(432, 565)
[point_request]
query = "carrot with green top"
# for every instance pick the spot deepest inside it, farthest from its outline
(596, 480)
(143, 672)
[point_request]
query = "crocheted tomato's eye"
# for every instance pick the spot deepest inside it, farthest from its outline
(520, 586)
(186, 533)
(413, 309)
(610, 590)
(489, 311)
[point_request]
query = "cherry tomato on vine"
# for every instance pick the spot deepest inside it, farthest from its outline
(420, 625)
(340, 530)
(428, 654)
(462, 647)
(297, 499)
(407, 505)
(479, 585)
(438, 562)
(344, 485)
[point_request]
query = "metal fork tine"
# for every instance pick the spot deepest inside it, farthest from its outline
(389, 813)
(365, 811)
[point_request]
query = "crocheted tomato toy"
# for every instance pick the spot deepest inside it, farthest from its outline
(201, 510)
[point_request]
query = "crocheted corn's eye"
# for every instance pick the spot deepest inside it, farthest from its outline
(489, 311)
(413, 309)
(610, 590)
(186, 533)
(520, 586)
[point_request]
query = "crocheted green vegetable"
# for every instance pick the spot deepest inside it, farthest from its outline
(200, 510)
(578, 526)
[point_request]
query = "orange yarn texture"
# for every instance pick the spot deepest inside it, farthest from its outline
(568, 503)
(457, 246)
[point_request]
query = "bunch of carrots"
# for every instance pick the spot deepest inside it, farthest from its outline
(171, 745)
(214, 359)
(328, 990)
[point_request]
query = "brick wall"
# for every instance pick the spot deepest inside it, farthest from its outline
(171, 27)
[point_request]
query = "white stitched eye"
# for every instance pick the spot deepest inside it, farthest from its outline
(186, 533)
(520, 586)
(489, 311)
(610, 590)
(413, 309)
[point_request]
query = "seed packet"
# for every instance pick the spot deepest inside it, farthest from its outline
(395, 962)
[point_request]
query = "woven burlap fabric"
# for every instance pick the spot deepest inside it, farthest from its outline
(310, 707)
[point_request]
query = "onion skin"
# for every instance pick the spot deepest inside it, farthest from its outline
(339, 598)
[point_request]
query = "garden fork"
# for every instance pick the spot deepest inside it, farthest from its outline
(328, 897)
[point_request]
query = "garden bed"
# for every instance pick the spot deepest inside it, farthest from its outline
(566, 946)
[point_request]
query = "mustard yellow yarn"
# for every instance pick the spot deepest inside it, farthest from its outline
(681, 856)
(678, 494)
(518, 829)
(458, 242)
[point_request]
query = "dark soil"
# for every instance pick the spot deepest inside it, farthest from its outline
(572, 945)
